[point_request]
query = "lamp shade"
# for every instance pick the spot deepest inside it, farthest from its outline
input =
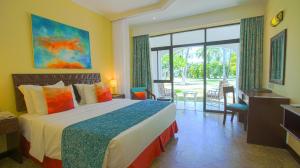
(113, 83)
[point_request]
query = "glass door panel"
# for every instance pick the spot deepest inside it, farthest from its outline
(188, 63)
(221, 70)
(160, 62)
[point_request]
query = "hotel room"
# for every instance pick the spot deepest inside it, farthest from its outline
(149, 84)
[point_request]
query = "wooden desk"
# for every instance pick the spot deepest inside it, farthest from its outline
(264, 118)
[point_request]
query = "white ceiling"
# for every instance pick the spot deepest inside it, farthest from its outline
(183, 8)
(114, 6)
(173, 9)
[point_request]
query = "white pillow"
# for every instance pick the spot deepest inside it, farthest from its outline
(29, 101)
(27, 97)
(90, 93)
(80, 90)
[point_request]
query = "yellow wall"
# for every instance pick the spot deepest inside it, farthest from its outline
(16, 51)
(291, 21)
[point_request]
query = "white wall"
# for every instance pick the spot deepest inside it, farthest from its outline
(122, 56)
(219, 17)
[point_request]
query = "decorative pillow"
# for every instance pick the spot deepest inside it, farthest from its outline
(140, 95)
(103, 93)
(33, 104)
(58, 99)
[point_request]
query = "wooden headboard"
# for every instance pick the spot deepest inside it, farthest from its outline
(49, 79)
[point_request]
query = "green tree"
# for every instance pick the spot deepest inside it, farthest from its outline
(165, 66)
(179, 63)
(214, 70)
(196, 71)
(232, 65)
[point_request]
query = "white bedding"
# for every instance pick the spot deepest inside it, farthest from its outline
(44, 132)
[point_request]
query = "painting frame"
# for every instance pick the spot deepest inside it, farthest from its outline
(59, 46)
(278, 45)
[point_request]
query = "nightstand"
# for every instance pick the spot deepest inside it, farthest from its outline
(10, 128)
(118, 96)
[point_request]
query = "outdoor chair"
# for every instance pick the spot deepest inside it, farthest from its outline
(217, 93)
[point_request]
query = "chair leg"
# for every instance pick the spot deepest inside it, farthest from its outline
(224, 119)
(232, 116)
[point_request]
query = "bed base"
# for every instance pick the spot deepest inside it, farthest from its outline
(144, 160)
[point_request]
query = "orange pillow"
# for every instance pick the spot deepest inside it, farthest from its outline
(140, 95)
(103, 94)
(58, 99)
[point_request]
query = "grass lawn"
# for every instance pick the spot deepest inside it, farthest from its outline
(196, 85)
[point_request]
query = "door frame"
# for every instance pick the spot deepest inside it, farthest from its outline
(171, 67)
(205, 44)
(233, 41)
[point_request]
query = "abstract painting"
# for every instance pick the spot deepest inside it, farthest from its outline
(278, 58)
(57, 45)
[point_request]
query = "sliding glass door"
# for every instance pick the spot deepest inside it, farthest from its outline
(222, 55)
(188, 80)
(191, 67)
(221, 70)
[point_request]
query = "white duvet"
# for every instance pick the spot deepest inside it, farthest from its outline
(44, 132)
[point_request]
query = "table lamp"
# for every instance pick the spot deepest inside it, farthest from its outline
(113, 85)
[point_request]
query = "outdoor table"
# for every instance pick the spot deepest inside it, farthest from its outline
(194, 95)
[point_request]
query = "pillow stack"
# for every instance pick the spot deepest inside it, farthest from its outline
(58, 97)
(89, 93)
(34, 97)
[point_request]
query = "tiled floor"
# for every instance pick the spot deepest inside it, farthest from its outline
(198, 106)
(203, 142)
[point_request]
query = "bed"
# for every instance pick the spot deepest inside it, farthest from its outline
(136, 146)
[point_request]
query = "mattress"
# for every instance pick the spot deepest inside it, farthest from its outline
(25, 124)
(45, 132)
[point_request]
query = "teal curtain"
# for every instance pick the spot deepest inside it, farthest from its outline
(141, 62)
(251, 56)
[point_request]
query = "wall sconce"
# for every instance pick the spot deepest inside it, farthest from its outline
(277, 19)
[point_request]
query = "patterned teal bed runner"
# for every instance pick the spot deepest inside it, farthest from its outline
(84, 143)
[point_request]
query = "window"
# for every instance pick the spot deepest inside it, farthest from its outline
(160, 65)
(160, 41)
(189, 37)
(223, 33)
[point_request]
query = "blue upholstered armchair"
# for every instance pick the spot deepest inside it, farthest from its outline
(147, 94)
